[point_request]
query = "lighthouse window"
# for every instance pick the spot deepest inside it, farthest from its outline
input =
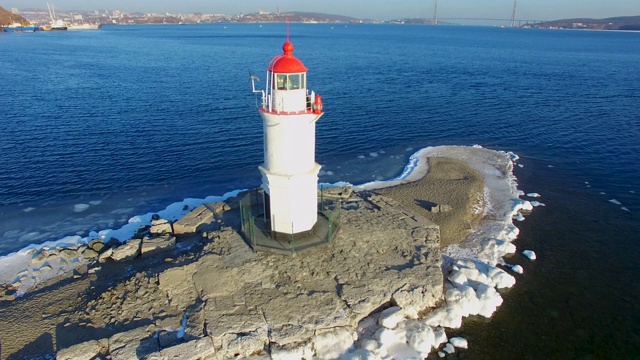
(281, 81)
(290, 82)
(294, 81)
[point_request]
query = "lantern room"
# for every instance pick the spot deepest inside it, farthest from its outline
(286, 90)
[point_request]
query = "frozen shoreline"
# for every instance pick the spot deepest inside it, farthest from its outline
(470, 267)
(473, 277)
(15, 267)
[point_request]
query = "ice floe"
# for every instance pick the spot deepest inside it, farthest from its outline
(517, 269)
(80, 207)
(459, 342)
(529, 254)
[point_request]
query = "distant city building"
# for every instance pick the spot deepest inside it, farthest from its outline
(15, 11)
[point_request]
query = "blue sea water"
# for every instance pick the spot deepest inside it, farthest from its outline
(100, 126)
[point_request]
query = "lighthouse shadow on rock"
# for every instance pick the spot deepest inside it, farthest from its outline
(286, 214)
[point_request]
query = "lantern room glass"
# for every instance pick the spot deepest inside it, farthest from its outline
(290, 81)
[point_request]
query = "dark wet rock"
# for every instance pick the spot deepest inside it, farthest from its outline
(142, 232)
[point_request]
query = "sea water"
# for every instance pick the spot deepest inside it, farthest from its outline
(101, 126)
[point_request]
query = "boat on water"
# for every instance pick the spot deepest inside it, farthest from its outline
(18, 27)
(56, 24)
(83, 26)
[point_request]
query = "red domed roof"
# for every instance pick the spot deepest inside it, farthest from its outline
(286, 63)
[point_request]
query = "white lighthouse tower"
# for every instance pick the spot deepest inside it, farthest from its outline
(289, 172)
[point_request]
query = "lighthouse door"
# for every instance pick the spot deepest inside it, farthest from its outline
(267, 207)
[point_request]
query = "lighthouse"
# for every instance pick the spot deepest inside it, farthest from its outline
(289, 114)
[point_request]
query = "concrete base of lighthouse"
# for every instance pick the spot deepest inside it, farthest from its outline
(291, 202)
(259, 236)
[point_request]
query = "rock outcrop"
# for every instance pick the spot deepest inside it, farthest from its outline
(200, 219)
(127, 251)
(230, 302)
(154, 245)
(160, 227)
(7, 18)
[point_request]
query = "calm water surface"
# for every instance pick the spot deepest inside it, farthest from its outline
(130, 119)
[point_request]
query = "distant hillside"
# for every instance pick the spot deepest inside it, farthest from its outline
(613, 23)
(298, 16)
(7, 18)
(321, 16)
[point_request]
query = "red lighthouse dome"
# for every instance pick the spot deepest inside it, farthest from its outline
(286, 63)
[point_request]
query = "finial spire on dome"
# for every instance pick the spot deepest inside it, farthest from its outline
(288, 25)
(288, 46)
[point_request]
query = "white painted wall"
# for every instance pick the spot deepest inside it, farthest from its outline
(293, 200)
(289, 142)
(290, 100)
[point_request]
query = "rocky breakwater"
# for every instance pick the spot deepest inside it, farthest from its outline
(46, 263)
(227, 301)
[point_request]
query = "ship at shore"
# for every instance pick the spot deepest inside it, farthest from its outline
(18, 27)
(84, 26)
(58, 24)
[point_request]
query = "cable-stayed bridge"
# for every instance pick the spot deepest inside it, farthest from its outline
(511, 21)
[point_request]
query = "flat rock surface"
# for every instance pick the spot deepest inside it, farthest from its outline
(225, 289)
(213, 291)
(449, 182)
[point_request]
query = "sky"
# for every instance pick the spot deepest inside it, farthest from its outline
(363, 9)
